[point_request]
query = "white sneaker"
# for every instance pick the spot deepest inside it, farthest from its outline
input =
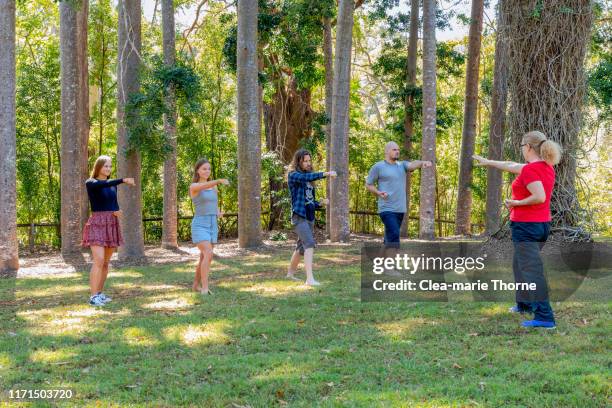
(96, 300)
(104, 298)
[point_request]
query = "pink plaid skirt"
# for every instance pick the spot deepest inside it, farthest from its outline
(102, 229)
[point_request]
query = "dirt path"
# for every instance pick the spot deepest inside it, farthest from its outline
(53, 264)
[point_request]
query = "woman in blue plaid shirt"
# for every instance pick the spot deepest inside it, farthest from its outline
(303, 205)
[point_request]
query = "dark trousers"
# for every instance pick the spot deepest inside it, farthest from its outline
(393, 223)
(528, 239)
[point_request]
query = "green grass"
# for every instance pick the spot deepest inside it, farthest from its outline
(261, 341)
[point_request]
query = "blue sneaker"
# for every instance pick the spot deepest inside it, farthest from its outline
(104, 298)
(96, 300)
(539, 323)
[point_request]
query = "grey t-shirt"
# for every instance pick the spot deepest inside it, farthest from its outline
(391, 178)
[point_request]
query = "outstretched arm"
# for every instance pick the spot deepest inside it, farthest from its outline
(418, 164)
(510, 166)
(95, 184)
(195, 188)
(300, 177)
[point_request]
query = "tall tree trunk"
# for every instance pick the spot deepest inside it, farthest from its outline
(498, 123)
(170, 222)
(276, 186)
(470, 117)
(328, 58)
(128, 163)
(83, 103)
(290, 118)
(409, 106)
(249, 128)
(548, 41)
(339, 208)
(73, 144)
(9, 260)
(428, 144)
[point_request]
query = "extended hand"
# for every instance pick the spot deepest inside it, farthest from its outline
(325, 201)
(129, 181)
(224, 182)
(425, 164)
(331, 174)
(480, 161)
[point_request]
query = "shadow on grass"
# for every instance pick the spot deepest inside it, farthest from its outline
(262, 340)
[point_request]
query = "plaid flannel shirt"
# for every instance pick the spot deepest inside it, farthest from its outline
(297, 187)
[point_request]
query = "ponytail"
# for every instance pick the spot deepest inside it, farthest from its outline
(550, 152)
(547, 149)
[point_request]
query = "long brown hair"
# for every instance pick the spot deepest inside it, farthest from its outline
(548, 150)
(197, 166)
(100, 162)
(298, 157)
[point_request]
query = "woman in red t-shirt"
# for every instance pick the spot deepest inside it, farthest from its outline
(530, 221)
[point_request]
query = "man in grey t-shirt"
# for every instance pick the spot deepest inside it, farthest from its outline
(390, 175)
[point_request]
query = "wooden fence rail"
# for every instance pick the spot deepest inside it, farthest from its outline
(361, 221)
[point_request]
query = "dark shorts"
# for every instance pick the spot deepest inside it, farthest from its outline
(393, 223)
(305, 232)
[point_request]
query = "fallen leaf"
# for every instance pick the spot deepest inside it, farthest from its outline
(455, 365)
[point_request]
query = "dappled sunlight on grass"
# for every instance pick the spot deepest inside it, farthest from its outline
(264, 340)
(57, 291)
(137, 336)
(199, 334)
(5, 360)
(66, 322)
(160, 287)
(399, 328)
(284, 371)
(45, 355)
(124, 274)
(270, 288)
(169, 304)
(495, 309)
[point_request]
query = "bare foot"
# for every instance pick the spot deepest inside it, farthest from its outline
(196, 288)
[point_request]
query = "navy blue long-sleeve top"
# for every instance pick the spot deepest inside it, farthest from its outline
(103, 194)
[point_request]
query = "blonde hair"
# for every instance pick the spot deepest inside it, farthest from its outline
(548, 150)
(100, 162)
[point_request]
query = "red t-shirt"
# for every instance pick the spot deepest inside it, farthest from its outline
(536, 171)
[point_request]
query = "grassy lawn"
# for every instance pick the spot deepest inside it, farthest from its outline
(261, 340)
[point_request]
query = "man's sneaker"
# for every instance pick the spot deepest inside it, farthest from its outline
(539, 323)
(104, 298)
(96, 300)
